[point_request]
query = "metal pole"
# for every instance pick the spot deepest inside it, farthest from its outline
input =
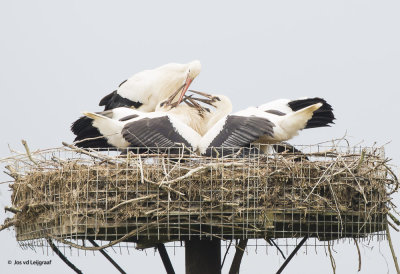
(62, 257)
(165, 259)
(107, 257)
(292, 254)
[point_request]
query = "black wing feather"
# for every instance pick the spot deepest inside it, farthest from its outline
(240, 131)
(83, 129)
(114, 100)
(322, 117)
(152, 132)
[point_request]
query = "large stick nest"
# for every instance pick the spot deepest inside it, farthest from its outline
(70, 194)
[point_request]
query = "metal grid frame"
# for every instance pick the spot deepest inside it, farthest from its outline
(284, 222)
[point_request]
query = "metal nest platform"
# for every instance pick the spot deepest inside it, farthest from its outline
(162, 194)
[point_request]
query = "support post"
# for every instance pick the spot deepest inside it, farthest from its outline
(292, 254)
(165, 259)
(108, 257)
(62, 257)
(237, 259)
(203, 256)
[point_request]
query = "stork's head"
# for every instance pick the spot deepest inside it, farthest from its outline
(193, 69)
(221, 103)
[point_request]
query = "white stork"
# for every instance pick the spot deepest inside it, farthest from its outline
(143, 91)
(89, 135)
(167, 129)
(322, 117)
(146, 89)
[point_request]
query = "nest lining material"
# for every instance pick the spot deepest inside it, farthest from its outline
(151, 198)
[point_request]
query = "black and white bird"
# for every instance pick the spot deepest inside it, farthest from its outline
(144, 90)
(240, 129)
(91, 133)
(167, 129)
(323, 117)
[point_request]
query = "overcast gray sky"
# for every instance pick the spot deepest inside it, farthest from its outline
(58, 58)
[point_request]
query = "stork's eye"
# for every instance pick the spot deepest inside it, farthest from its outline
(162, 104)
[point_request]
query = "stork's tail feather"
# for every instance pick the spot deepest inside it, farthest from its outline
(83, 129)
(106, 99)
(322, 117)
(94, 116)
(296, 121)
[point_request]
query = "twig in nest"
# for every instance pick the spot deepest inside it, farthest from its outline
(197, 169)
(395, 178)
(86, 152)
(320, 179)
(392, 249)
(359, 254)
(333, 263)
(164, 187)
(133, 200)
(126, 236)
(12, 209)
(13, 173)
(7, 223)
(395, 220)
(28, 152)
(392, 225)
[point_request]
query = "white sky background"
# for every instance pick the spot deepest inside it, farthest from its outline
(59, 59)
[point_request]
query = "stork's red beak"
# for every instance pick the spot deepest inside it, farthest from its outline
(187, 84)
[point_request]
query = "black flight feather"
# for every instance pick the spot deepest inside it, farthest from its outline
(322, 117)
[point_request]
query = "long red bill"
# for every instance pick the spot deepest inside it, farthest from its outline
(188, 82)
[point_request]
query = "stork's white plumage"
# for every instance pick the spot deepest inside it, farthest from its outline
(262, 126)
(322, 117)
(286, 126)
(145, 129)
(109, 125)
(88, 134)
(143, 92)
(147, 88)
(171, 127)
(188, 115)
(184, 125)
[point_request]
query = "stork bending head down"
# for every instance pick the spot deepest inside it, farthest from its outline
(144, 90)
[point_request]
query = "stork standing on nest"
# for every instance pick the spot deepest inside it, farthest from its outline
(142, 92)
(167, 129)
(110, 123)
(289, 116)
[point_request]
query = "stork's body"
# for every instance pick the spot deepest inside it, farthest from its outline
(188, 115)
(144, 90)
(88, 133)
(167, 128)
(322, 117)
